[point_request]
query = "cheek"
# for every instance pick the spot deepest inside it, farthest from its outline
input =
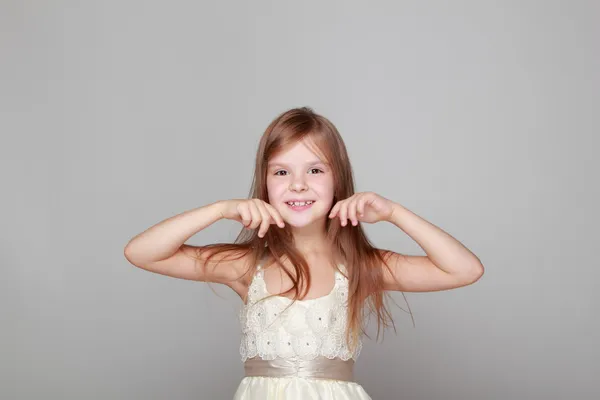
(275, 191)
(326, 191)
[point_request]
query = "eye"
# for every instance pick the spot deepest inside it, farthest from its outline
(278, 172)
(315, 169)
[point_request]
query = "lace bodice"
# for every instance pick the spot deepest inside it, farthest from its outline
(306, 329)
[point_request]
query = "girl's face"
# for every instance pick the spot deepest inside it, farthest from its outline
(300, 186)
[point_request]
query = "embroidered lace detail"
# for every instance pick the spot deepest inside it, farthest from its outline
(280, 328)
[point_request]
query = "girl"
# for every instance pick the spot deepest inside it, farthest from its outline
(303, 265)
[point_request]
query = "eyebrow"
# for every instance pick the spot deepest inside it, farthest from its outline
(281, 164)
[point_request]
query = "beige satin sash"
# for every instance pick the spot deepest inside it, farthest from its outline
(319, 368)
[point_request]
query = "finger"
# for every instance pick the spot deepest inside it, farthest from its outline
(352, 211)
(362, 202)
(245, 215)
(256, 217)
(275, 215)
(334, 210)
(360, 207)
(343, 213)
(265, 219)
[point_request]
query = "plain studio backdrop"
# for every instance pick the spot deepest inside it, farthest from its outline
(479, 116)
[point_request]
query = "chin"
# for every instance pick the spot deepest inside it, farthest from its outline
(303, 222)
(298, 224)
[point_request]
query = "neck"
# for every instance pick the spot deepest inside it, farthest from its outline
(310, 239)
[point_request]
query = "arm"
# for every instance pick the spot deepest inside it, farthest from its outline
(161, 249)
(447, 265)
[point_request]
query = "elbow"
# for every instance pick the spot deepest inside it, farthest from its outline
(475, 273)
(470, 273)
(127, 253)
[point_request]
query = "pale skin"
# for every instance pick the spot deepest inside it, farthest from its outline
(299, 174)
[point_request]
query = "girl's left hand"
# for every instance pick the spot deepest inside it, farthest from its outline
(366, 207)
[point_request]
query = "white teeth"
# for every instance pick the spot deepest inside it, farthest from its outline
(299, 203)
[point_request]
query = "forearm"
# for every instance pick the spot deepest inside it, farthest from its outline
(443, 250)
(165, 238)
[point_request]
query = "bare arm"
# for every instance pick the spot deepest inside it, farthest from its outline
(447, 265)
(161, 248)
(165, 238)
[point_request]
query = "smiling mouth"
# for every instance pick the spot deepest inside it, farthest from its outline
(300, 205)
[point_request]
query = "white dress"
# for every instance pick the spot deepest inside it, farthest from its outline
(310, 332)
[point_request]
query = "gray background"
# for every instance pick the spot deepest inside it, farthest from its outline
(478, 116)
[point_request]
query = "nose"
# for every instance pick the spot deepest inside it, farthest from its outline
(298, 185)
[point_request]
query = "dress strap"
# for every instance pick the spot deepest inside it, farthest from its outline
(255, 288)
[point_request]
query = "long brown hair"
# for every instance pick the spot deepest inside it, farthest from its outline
(351, 247)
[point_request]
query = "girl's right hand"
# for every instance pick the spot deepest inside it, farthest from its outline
(252, 213)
